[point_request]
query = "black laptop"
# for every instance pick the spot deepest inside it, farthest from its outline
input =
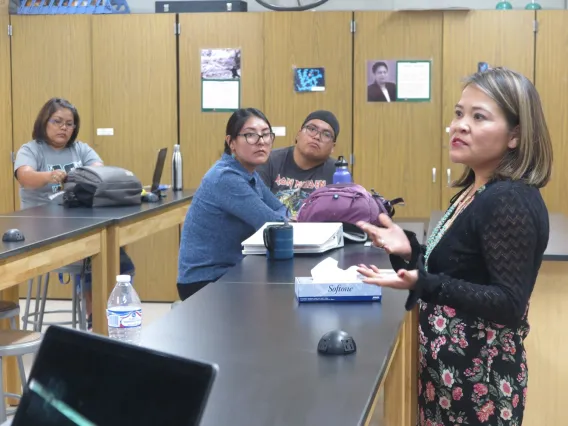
(158, 170)
(84, 379)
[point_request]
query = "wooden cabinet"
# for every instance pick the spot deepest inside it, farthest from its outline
(51, 57)
(135, 94)
(396, 144)
(305, 40)
(6, 177)
(552, 84)
(202, 134)
(499, 39)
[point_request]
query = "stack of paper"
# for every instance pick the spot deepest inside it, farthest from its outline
(309, 237)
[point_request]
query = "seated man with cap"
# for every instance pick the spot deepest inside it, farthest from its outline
(294, 172)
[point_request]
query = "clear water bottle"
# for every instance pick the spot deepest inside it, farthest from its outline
(124, 312)
(177, 169)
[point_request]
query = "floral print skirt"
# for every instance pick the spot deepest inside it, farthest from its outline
(471, 371)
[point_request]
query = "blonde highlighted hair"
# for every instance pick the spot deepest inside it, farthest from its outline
(516, 96)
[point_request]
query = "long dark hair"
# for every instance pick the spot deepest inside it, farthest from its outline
(39, 133)
(238, 120)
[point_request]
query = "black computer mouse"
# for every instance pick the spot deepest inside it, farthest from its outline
(13, 236)
(337, 342)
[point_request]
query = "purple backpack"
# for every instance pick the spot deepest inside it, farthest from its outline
(347, 203)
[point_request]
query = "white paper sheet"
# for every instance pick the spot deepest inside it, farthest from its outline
(413, 80)
(220, 95)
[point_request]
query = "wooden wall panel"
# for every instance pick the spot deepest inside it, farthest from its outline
(6, 176)
(552, 85)
(202, 134)
(396, 145)
(547, 351)
(52, 58)
(300, 39)
(500, 39)
(134, 93)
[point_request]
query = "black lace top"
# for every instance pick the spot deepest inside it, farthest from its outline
(487, 262)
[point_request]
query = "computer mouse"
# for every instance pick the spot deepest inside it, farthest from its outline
(13, 236)
(150, 197)
(337, 342)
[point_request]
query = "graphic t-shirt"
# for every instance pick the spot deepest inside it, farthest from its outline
(291, 184)
(43, 158)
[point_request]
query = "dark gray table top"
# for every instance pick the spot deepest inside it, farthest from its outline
(52, 222)
(39, 232)
(116, 214)
(557, 248)
(264, 342)
(257, 269)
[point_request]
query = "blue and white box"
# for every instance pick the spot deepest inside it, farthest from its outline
(328, 283)
(356, 291)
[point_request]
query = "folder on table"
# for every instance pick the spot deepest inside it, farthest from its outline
(309, 237)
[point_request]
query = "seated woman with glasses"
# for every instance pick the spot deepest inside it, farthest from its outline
(42, 165)
(231, 204)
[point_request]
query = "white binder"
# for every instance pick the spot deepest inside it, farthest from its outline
(309, 237)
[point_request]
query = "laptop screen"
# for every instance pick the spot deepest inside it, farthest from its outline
(83, 379)
(159, 169)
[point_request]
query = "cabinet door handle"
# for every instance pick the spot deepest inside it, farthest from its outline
(449, 172)
(433, 174)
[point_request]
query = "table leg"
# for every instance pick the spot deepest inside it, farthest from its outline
(401, 380)
(99, 266)
(412, 365)
(12, 381)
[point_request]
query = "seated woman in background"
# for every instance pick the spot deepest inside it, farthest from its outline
(43, 164)
(231, 204)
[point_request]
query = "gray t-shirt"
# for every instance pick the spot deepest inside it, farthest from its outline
(291, 184)
(43, 158)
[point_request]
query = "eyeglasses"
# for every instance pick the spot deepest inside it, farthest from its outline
(253, 138)
(61, 123)
(325, 135)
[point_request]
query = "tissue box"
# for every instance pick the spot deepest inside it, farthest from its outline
(356, 291)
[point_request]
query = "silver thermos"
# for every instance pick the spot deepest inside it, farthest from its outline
(177, 170)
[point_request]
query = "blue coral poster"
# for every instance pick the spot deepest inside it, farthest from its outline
(309, 79)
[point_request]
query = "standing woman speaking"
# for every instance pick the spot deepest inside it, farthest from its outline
(474, 278)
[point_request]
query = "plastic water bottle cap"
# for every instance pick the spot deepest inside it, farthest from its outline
(123, 278)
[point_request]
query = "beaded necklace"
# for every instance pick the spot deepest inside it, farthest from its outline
(449, 217)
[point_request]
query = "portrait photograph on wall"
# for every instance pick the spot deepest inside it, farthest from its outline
(381, 78)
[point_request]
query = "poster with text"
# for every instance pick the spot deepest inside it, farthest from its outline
(381, 80)
(220, 80)
(413, 81)
(309, 79)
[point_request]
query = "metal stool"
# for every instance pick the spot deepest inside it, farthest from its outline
(78, 309)
(15, 343)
